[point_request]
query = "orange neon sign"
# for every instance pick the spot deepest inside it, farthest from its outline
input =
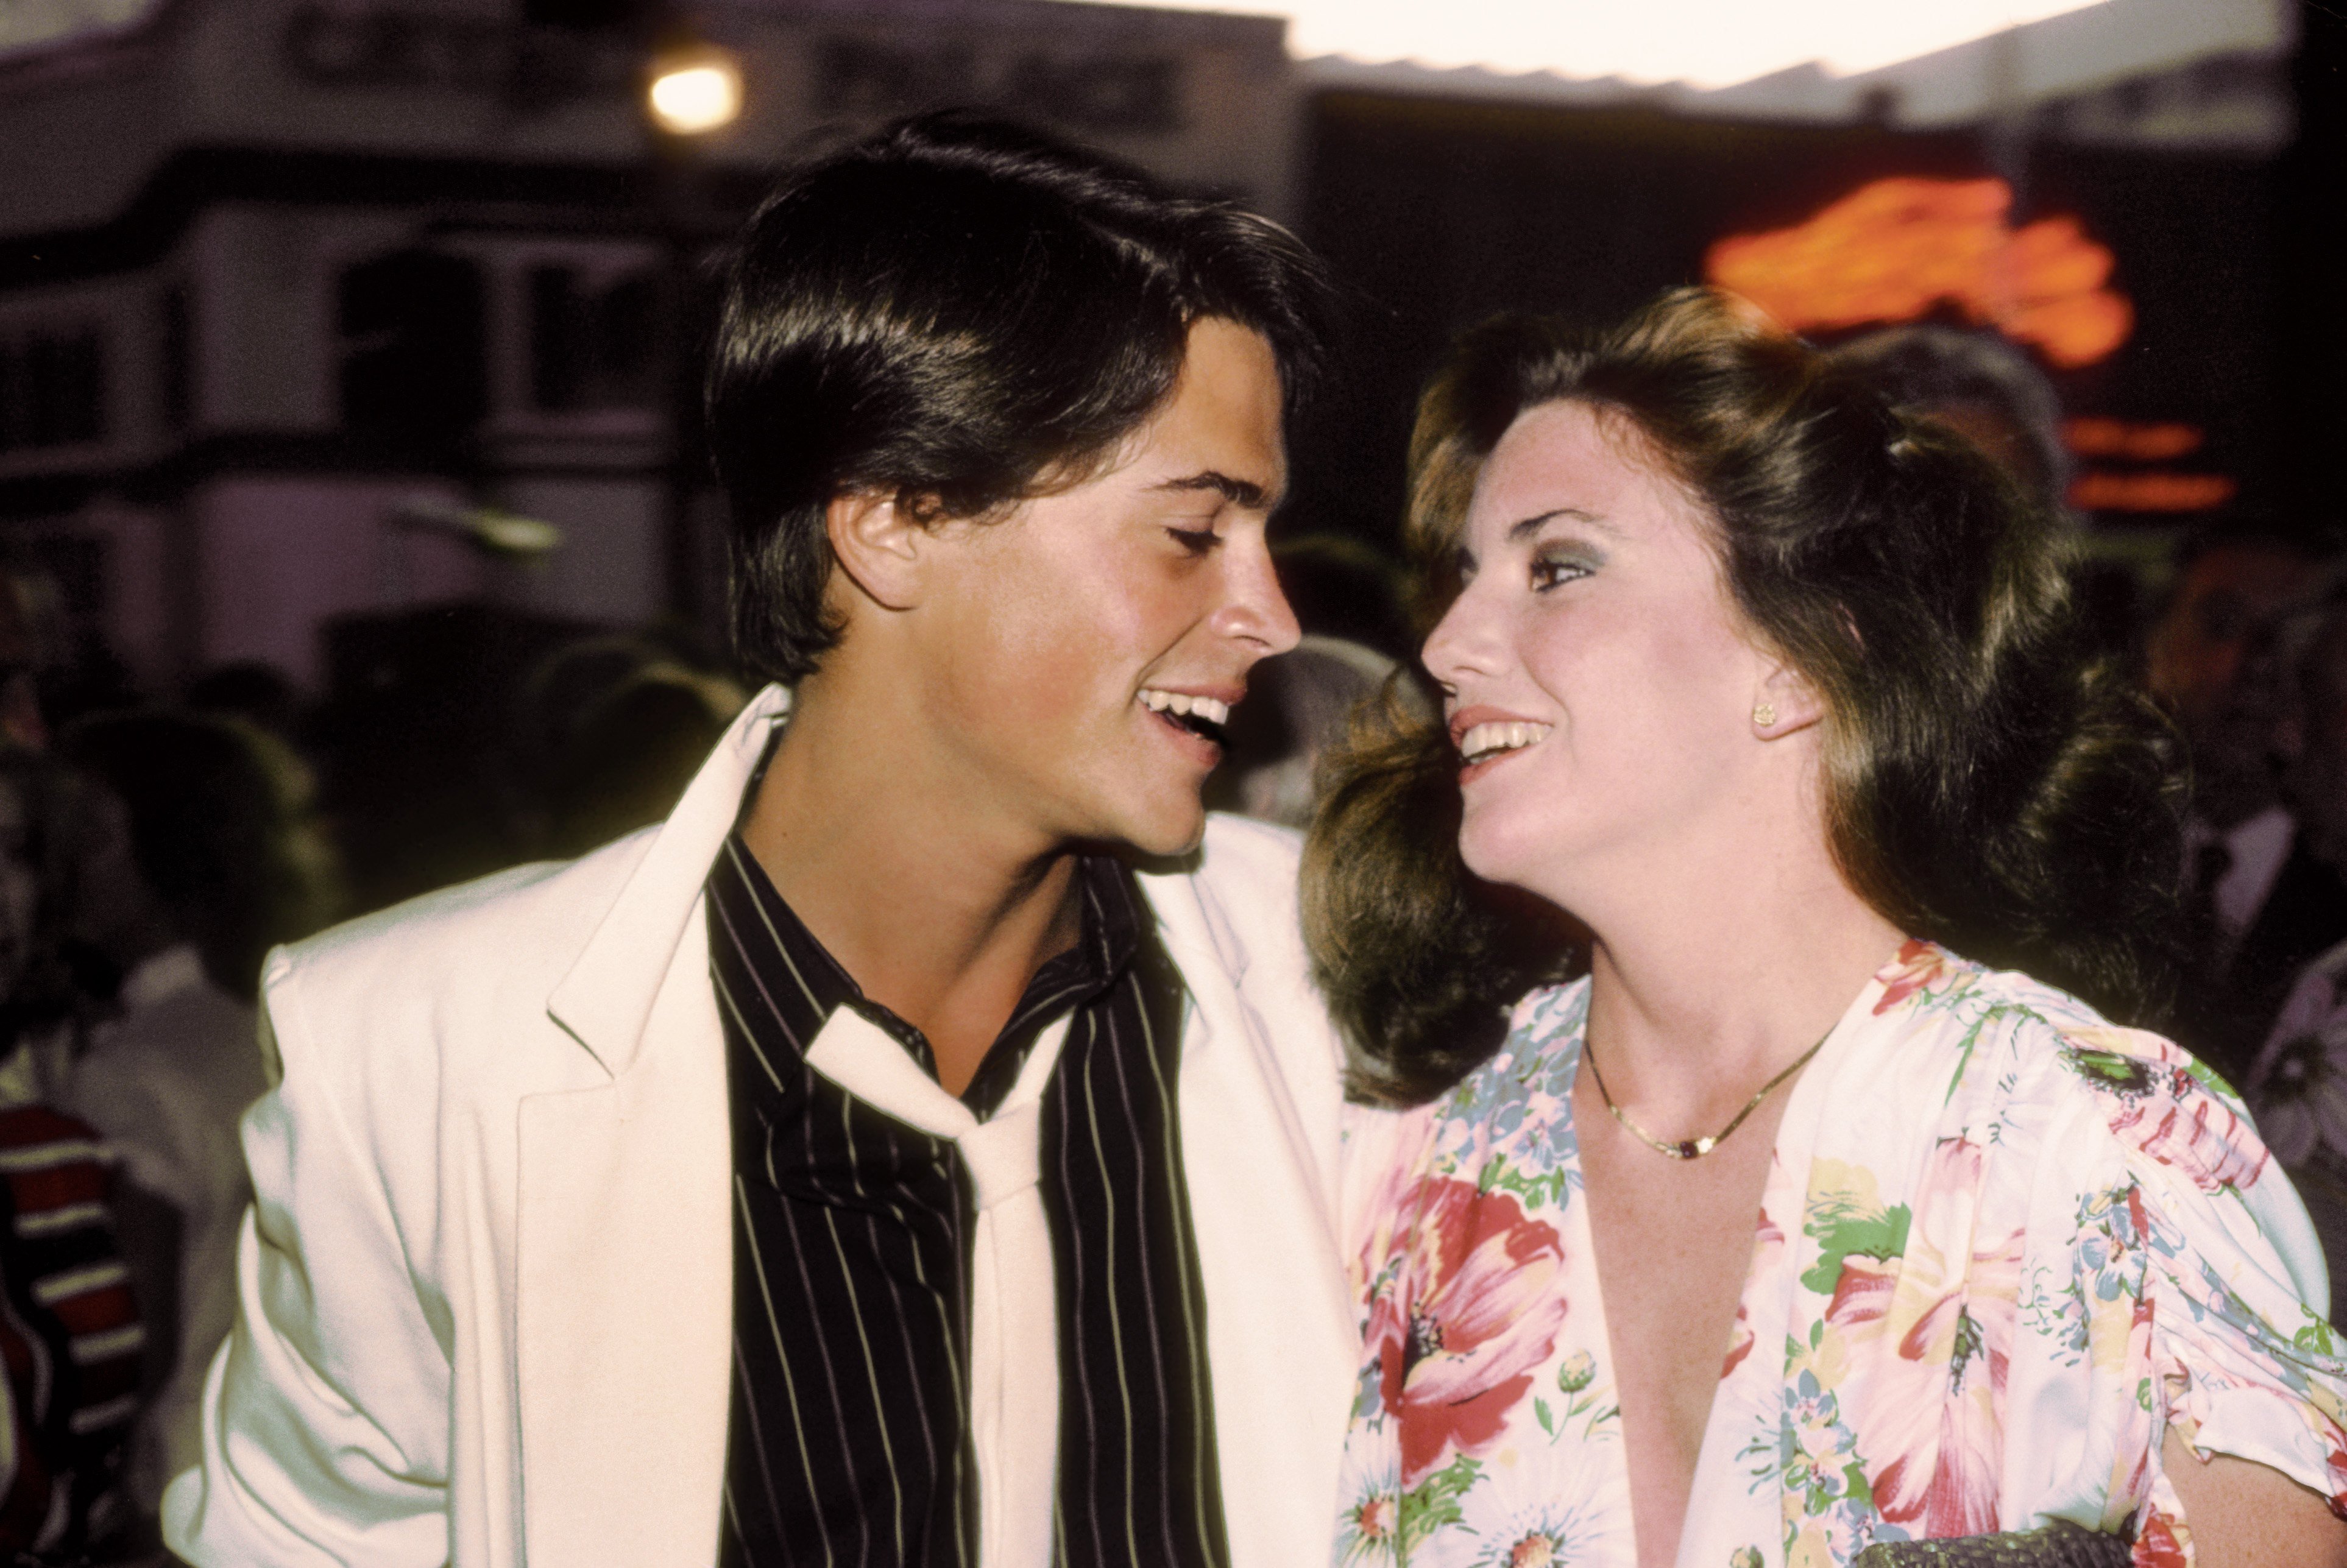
(2156, 491)
(2091, 436)
(1898, 248)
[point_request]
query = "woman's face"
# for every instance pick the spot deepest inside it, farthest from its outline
(1599, 683)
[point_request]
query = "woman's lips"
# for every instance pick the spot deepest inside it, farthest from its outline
(1485, 735)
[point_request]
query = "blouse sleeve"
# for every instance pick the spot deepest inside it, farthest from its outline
(2239, 1362)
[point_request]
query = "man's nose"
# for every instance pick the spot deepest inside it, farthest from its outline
(1254, 609)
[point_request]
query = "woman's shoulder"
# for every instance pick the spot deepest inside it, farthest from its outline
(1534, 1064)
(2069, 1100)
(2098, 1202)
(2000, 1041)
(1926, 990)
(1507, 1124)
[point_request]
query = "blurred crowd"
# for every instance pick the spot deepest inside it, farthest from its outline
(151, 854)
(150, 857)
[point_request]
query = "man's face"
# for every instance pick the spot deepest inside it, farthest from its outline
(2213, 659)
(2227, 597)
(1064, 643)
(2318, 781)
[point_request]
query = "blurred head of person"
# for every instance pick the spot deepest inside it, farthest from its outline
(1979, 384)
(2309, 650)
(624, 762)
(261, 694)
(26, 651)
(2227, 589)
(217, 847)
(1299, 705)
(2208, 660)
(1343, 588)
(45, 827)
(571, 682)
(1763, 586)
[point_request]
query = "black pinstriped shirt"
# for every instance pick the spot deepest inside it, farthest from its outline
(850, 1441)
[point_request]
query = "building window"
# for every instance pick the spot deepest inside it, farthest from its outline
(414, 369)
(178, 358)
(592, 341)
(52, 388)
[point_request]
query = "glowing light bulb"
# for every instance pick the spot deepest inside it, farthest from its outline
(695, 92)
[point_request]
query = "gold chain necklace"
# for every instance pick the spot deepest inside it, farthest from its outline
(1693, 1148)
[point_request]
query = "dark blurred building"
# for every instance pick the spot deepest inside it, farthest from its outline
(2135, 148)
(288, 285)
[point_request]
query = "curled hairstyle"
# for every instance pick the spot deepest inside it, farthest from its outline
(1986, 784)
(956, 313)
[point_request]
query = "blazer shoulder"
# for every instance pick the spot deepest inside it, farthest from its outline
(1236, 847)
(1243, 878)
(1251, 870)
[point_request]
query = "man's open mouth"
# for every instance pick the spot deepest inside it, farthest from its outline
(1201, 716)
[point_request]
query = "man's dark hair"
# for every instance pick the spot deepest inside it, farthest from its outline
(955, 314)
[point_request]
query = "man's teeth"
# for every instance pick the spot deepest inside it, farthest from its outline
(1205, 708)
(1490, 740)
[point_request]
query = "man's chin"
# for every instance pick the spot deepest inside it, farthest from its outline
(1169, 835)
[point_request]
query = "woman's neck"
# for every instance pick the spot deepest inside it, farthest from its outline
(1711, 975)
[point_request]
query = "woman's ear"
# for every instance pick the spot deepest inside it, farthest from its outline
(879, 545)
(1785, 703)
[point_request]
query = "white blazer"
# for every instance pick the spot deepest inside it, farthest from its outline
(486, 1286)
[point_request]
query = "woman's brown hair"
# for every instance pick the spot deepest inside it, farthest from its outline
(1987, 784)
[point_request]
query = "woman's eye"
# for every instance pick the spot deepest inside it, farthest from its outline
(1197, 541)
(1549, 572)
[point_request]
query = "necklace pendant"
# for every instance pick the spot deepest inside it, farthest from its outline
(1694, 1148)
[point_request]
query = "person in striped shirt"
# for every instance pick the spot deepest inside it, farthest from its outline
(72, 1339)
(916, 1154)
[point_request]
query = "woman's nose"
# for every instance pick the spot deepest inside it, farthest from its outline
(1462, 642)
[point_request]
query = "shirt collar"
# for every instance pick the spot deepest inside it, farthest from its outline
(1109, 935)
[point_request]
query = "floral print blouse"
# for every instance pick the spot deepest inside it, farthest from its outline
(2004, 1245)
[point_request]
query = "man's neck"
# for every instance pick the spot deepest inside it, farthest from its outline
(937, 912)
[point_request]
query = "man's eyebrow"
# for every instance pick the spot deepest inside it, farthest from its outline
(1238, 492)
(1519, 532)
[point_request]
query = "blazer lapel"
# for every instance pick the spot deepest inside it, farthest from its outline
(624, 1269)
(1280, 1330)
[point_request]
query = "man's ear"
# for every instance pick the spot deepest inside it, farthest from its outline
(1785, 702)
(879, 545)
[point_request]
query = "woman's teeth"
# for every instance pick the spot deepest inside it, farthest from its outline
(1184, 704)
(1490, 740)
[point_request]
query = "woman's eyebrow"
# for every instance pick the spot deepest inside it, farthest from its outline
(1519, 532)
